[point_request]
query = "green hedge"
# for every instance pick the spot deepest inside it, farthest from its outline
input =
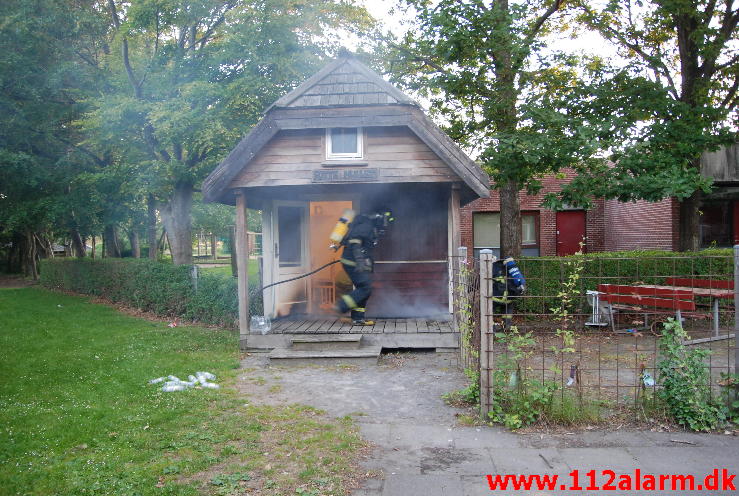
(157, 287)
(167, 290)
(544, 275)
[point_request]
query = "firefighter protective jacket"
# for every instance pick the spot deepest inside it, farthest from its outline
(359, 244)
(507, 281)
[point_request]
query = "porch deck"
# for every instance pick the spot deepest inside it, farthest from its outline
(389, 333)
(339, 326)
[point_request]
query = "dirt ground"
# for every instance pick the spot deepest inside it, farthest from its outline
(408, 384)
(611, 366)
(12, 281)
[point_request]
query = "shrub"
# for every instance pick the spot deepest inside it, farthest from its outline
(469, 395)
(686, 381)
(151, 286)
(546, 275)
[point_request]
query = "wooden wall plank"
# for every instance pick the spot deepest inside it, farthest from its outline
(387, 180)
(401, 268)
(292, 155)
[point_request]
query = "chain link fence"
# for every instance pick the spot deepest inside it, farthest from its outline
(465, 285)
(595, 336)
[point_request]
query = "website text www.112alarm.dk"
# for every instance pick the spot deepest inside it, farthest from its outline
(608, 480)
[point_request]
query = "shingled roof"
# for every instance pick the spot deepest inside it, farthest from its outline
(326, 100)
(345, 81)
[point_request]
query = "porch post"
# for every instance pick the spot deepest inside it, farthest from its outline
(242, 267)
(486, 331)
(454, 206)
(454, 240)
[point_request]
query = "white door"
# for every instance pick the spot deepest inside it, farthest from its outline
(290, 257)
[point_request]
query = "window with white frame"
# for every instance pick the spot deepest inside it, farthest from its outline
(343, 143)
(528, 229)
(486, 232)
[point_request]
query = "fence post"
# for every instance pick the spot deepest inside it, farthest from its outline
(736, 307)
(462, 253)
(457, 284)
(486, 329)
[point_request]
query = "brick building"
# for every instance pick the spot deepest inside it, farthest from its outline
(544, 231)
(641, 225)
(611, 225)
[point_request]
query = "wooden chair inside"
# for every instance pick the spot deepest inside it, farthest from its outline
(324, 294)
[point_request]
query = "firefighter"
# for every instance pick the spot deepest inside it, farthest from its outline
(508, 283)
(359, 242)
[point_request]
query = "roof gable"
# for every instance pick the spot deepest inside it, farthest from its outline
(329, 99)
(343, 82)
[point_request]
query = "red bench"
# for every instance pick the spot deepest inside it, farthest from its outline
(714, 289)
(699, 283)
(646, 300)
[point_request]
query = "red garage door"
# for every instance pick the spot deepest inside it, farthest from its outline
(570, 231)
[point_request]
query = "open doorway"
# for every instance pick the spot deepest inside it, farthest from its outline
(332, 281)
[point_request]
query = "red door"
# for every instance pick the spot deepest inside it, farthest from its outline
(570, 231)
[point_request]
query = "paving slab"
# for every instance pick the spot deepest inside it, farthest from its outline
(612, 458)
(690, 439)
(528, 461)
(455, 461)
(691, 460)
(492, 437)
(434, 436)
(394, 461)
(427, 485)
(378, 432)
(592, 439)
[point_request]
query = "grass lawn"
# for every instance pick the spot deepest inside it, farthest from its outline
(253, 270)
(78, 416)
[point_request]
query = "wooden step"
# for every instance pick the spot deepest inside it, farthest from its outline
(320, 342)
(363, 356)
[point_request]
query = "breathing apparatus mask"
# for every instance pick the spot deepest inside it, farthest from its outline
(382, 220)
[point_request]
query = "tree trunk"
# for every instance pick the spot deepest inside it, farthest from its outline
(510, 221)
(506, 123)
(11, 264)
(162, 244)
(44, 247)
(29, 255)
(690, 222)
(213, 245)
(94, 241)
(78, 244)
(111, 246)
(133, 237)
(15, 262)
(151, 227)
(176, 217)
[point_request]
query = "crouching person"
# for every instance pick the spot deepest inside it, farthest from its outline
(508, 284)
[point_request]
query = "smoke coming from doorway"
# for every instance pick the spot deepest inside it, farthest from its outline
(411, 277)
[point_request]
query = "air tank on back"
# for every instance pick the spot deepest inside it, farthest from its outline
(341, 228)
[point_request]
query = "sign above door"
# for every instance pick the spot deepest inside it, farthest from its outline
(345, 175)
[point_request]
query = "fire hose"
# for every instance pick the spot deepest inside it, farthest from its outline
(258, 290)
